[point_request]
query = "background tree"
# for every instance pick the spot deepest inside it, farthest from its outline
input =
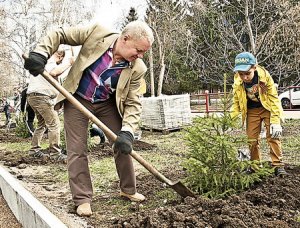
(221, 29)
(196, 41)
(132, 16)
(70, 13)
(24, 22)
(167, 19)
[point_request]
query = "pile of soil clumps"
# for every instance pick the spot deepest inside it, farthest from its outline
(274, 202)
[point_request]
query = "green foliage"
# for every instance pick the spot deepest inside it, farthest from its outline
(62, 138)
(183, 79)
(213, 167)
(21, 128)
(131, 16)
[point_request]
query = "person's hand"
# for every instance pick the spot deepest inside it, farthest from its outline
(35, 63)
(124, 142)
(72, 60)
(275, 130)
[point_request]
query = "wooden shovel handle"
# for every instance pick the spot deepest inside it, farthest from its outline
(109, 134)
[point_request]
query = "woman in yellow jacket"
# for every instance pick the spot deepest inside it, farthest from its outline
(255, 97)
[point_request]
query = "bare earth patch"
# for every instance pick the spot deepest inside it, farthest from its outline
(275, 202)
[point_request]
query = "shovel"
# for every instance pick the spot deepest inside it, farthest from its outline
(180, 188)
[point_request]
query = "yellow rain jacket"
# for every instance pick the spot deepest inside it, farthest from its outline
(267, 93)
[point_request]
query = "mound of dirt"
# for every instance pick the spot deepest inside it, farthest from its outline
(271, 203)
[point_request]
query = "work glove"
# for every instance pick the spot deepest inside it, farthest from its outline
(275, 130)
(35, 63)
(124, 142)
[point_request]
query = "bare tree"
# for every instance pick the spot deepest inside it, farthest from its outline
(70, 12)
(24, 22)
(266, 28)
(167, 21)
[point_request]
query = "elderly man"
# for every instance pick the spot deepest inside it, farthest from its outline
(105, 78)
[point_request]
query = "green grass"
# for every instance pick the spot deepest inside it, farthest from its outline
(20, 146)
(162, 197)
(118, 206)
(290, 143)
(103, 174)
(159, 161)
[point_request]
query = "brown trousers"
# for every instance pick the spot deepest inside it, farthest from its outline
(47, 117)
(255, 117)
(76, 129)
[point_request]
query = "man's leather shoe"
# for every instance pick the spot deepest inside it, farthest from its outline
(84, 210)
(137, 197)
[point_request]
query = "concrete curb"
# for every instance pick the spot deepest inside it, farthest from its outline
(27, 209)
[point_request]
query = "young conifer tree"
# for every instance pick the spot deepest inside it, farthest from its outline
(213, 167)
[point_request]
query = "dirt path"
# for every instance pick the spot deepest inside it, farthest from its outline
(7, 218)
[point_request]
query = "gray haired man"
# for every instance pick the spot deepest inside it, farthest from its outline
(105, 78)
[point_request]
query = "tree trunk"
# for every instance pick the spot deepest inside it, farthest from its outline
(151, 73)
(253, 48)
(161, 75)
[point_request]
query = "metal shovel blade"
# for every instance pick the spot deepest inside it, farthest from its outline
(179, 187)
(182, 190)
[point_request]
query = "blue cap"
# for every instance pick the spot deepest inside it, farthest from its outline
(244, 61)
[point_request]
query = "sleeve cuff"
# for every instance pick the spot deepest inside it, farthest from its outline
(43, 53)
(126, 128)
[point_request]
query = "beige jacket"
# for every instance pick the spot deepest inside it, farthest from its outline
(95, 40)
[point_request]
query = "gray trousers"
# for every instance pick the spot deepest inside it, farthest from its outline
(76, 130)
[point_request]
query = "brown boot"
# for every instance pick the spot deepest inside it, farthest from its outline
(84, 210)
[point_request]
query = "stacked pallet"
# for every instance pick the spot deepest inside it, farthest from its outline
(166, 112)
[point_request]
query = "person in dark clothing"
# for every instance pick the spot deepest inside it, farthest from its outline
(29, 113)
(6, 110)
(96, 131)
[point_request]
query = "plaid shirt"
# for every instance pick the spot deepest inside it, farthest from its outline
(100, 79)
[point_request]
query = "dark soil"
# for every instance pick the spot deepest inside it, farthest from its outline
(272, 203)
(275, 202)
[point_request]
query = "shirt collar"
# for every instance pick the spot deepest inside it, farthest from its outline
(123, 63)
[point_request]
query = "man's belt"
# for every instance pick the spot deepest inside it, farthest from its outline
(37, 94)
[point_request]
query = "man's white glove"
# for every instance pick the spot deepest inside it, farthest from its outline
(275, 130)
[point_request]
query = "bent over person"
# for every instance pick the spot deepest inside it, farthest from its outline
(255, 96)
(106, 79)
(41, 97)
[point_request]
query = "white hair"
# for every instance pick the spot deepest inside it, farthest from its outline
(138, 30)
